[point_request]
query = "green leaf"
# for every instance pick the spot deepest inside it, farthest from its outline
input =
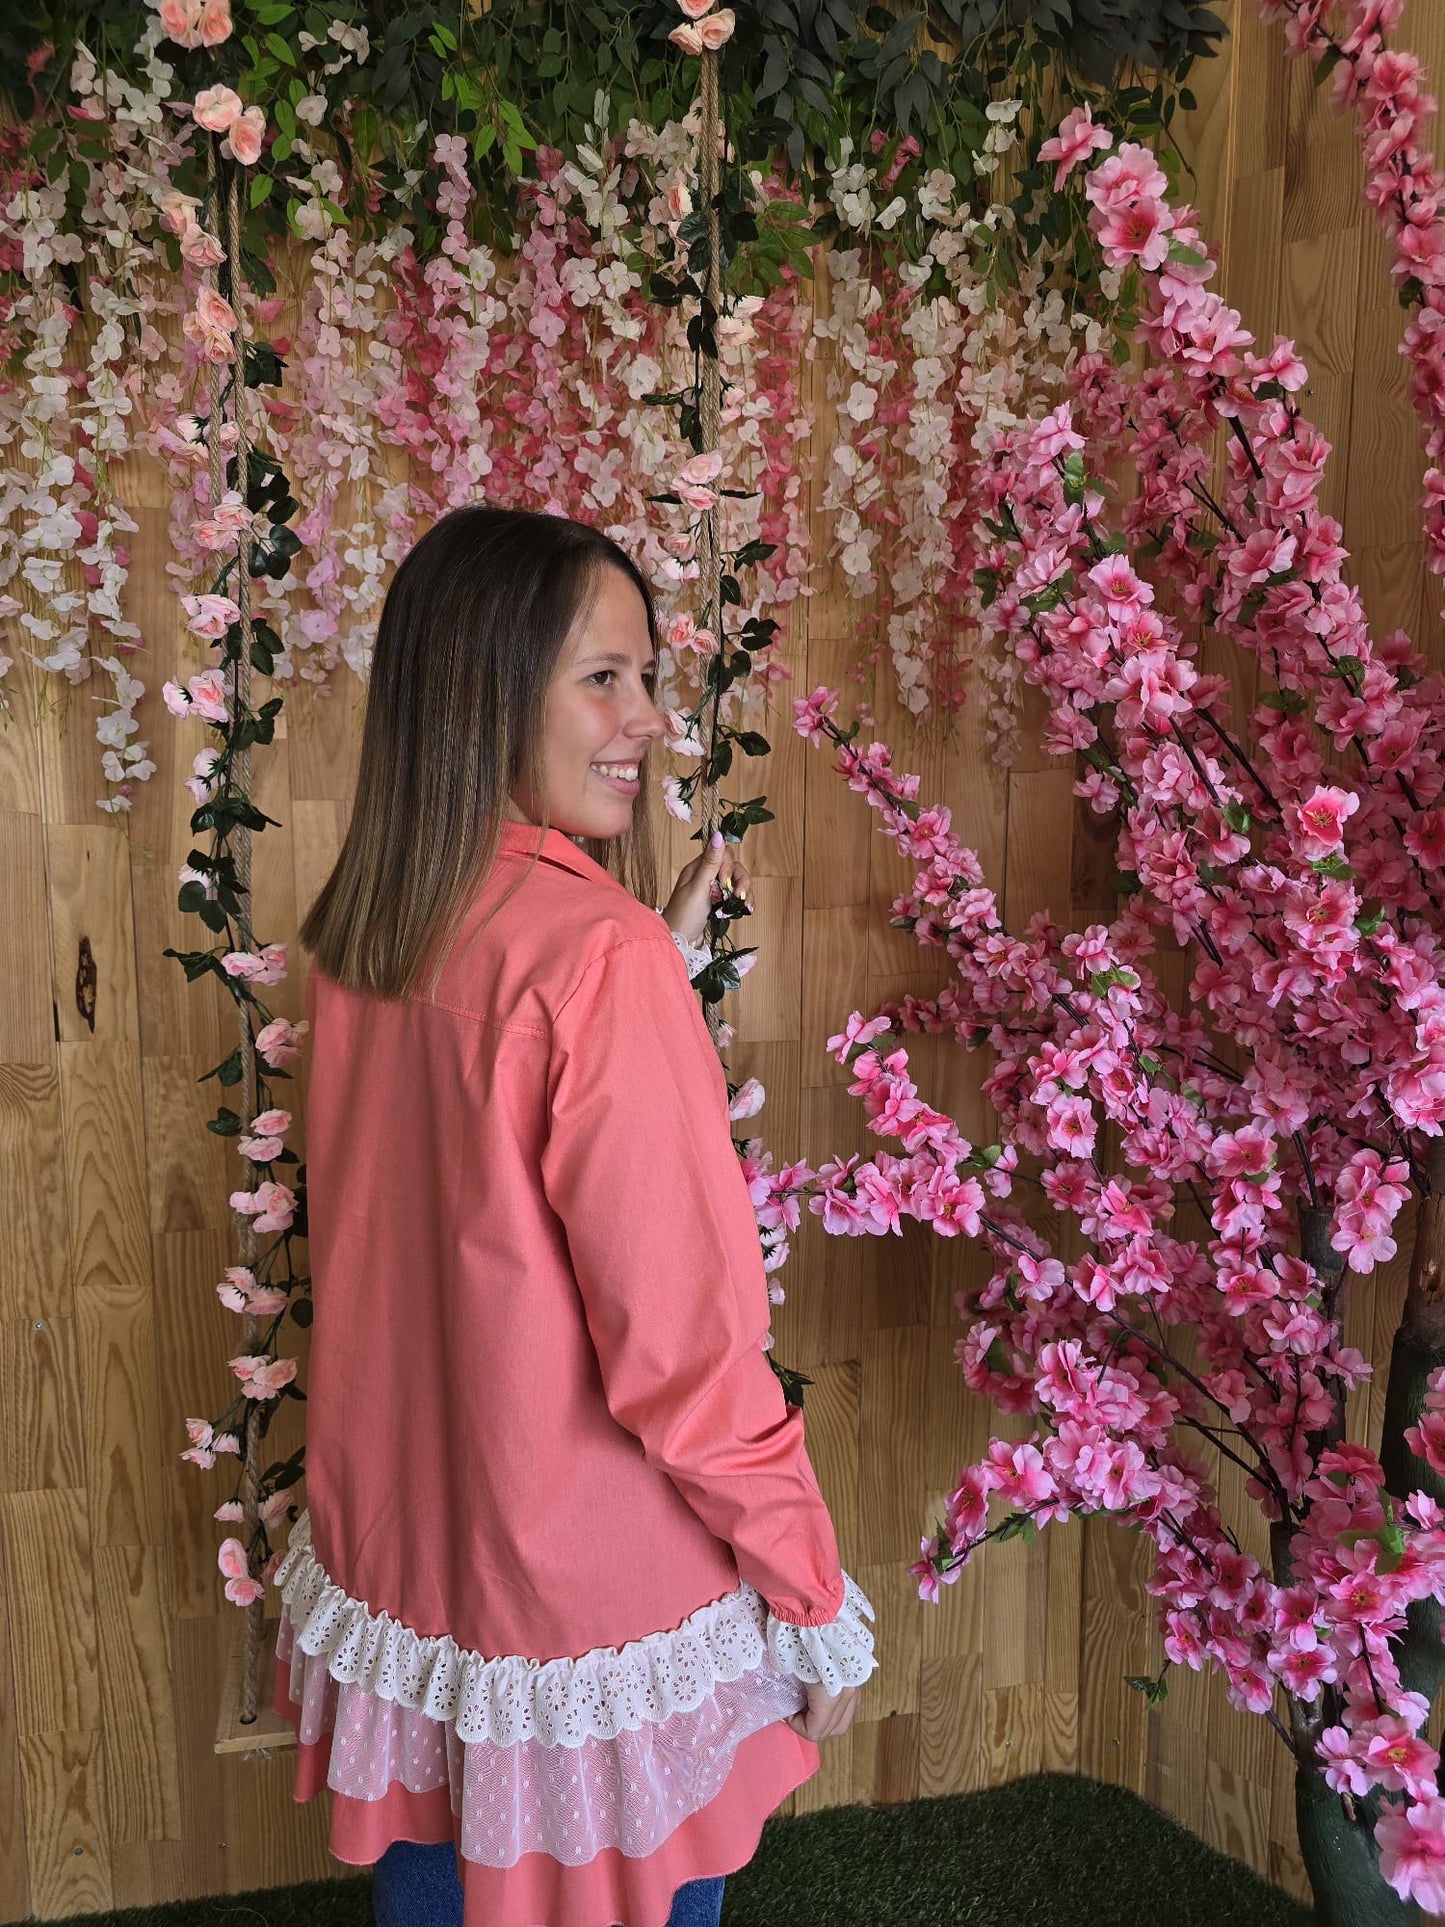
(1154, 1690)
(281, 49)
(226, 1073)
(1188, 257)
(196, 963)
(225, 1123)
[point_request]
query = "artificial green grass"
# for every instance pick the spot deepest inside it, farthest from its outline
(1049, 1851)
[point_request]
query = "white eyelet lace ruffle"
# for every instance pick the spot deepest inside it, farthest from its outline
(693, 955)
(565, 1702)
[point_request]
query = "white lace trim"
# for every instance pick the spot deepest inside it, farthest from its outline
(564, 1702)
(694, 955)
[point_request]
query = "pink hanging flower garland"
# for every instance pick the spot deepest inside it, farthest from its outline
(210, 884)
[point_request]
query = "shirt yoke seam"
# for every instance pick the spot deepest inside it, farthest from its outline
(477, 1016)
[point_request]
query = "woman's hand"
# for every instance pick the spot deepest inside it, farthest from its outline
(704, 882)
(827, 1715)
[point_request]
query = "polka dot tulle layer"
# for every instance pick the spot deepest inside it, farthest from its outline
(611, 1749)
(567, 1801)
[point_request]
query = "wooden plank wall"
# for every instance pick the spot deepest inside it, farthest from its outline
(112, 1196)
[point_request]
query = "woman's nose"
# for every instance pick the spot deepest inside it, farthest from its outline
(647, 722)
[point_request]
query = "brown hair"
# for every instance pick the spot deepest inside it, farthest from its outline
(471, 630)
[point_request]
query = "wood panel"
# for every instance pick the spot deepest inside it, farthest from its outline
(112, 1634)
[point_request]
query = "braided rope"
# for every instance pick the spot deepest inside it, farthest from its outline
(241, 848)
(709, 552)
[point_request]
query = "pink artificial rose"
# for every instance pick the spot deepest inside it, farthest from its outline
(244, 141)
(179, 21)
(208, 696)
(695, 9)
(278, 1042)
(175, 699)
(702, 469)
(688, 38)
(270, 1206)
(274, 1507)
(749, 1100)
(244, 1592)
(698, 499)
(260, 1150)
(271, 1123)
(232, 513)
(201, 249)
(231, 1558)
(178, 212)
(266, 966)
(717, 29)
(214, 24)
(262, 1377)
(209, 616)
(203, 1447)
(216, 108)
(211, 326)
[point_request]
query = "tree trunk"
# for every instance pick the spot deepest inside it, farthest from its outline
(1338, 1849)
(1419, 1350)
(1337, 1837)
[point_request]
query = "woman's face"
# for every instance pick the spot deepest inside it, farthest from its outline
(600, 716)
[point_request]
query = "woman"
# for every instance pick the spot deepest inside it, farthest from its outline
(567, 1597)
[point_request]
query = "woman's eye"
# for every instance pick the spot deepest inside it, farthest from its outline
(601, 675)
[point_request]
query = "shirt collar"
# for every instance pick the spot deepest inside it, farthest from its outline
(551, 846)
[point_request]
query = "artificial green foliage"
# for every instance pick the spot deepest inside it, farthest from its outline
(1053, 1850)
(800, 77)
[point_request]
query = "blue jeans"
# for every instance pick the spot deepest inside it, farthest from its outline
(416, 1886)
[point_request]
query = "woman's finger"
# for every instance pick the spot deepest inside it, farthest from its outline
(739, 880)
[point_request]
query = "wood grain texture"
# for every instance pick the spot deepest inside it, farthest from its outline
(52, 1612)
(34, 1253)
(62, 1775)
(14, 1872)
(137, 1695)
(27, 1022)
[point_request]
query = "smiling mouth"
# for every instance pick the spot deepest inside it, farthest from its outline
(617, 772)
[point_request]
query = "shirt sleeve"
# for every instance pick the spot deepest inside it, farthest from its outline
(640, 1168)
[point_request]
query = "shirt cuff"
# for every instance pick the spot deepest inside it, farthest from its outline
(696, 958)
(833, 1656)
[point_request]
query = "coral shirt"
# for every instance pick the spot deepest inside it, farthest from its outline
(540, 1420)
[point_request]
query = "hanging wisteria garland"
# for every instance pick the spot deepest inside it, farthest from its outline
(484, 293)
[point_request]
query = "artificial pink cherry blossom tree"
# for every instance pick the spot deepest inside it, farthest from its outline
(1227, 1164)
